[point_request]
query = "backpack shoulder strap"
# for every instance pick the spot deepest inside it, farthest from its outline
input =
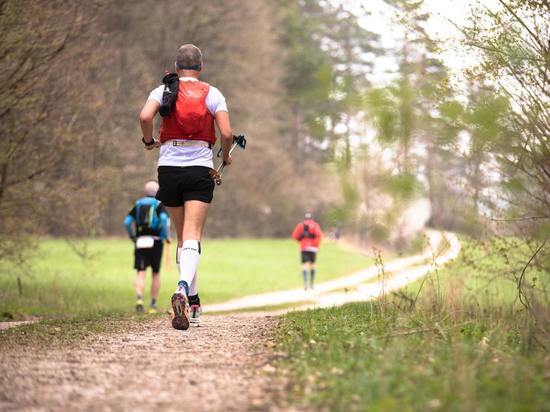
(205, 88)
(138, 212)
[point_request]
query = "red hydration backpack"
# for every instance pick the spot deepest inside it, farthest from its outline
(190, 118)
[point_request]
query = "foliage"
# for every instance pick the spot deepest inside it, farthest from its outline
(40, 112)
(401, 186)
(74, 79)
(328, 54)
(304, 97)
(513, 41)
(465, 344)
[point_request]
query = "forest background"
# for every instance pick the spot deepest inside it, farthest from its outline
(327, 132)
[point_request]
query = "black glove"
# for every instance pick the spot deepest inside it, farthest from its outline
(171, 85)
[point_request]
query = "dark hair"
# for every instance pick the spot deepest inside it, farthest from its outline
(189, 57)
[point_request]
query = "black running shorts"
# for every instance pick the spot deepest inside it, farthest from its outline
(308, 256)
(180, 184)
(143, 258)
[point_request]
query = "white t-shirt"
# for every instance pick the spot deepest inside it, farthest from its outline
(171, 155)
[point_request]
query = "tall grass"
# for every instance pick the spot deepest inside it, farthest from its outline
(458, 340)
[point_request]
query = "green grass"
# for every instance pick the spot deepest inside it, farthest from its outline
(465, 344)
(57, 282)
(485, 276)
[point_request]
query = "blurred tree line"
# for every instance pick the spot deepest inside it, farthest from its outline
(297, 75)
(74, 78)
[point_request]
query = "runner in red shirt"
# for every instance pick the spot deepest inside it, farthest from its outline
(309, 234)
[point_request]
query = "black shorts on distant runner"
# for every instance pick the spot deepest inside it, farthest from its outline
(143, 258)
(180, 184)
(308, 256)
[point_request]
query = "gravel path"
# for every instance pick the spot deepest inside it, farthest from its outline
(223, 365)
(359, 284)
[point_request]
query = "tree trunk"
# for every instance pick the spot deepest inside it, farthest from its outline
(430, 177)
(296, 147)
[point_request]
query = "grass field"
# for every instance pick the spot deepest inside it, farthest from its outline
(466, 343)
(98, 277)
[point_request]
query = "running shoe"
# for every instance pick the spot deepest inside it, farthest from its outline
(152, 310)
(139, 306)
(180, 306)
(195, 314)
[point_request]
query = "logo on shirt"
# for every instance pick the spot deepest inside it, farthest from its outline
(196, 143)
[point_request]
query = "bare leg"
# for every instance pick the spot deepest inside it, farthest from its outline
(311, 275)
(139, 282)
(305, 269)
(189, 224)
(194, 219)
(155, 286)
(177, 215)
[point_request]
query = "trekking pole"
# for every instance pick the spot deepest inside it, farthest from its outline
(238, 141)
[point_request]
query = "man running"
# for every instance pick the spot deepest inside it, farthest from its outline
(187, 135)
(309, 234)
(148, 226)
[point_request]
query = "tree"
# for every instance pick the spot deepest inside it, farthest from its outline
(73, 82)
(329, 56)
(406, 112)
(40, 61)
(515, 50)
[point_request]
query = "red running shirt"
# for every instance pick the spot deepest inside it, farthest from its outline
(190, 119)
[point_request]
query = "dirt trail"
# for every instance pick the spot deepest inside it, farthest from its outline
(359, 284)
(221, 366)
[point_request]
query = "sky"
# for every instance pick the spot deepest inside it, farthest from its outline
(446, 15)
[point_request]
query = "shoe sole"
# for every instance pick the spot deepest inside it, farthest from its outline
(180, 321)
(139, 309)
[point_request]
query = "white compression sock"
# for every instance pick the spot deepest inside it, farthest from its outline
(193, 286)
(190, 254)
(193, 290)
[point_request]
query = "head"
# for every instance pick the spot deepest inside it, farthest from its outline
(151, 188)
(308, 215)
(189, 60)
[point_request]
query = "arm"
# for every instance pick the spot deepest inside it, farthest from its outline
(128, 223)
(297, 233)
(224, 125)
(319, 235)
(164, 226)
(146, 118)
